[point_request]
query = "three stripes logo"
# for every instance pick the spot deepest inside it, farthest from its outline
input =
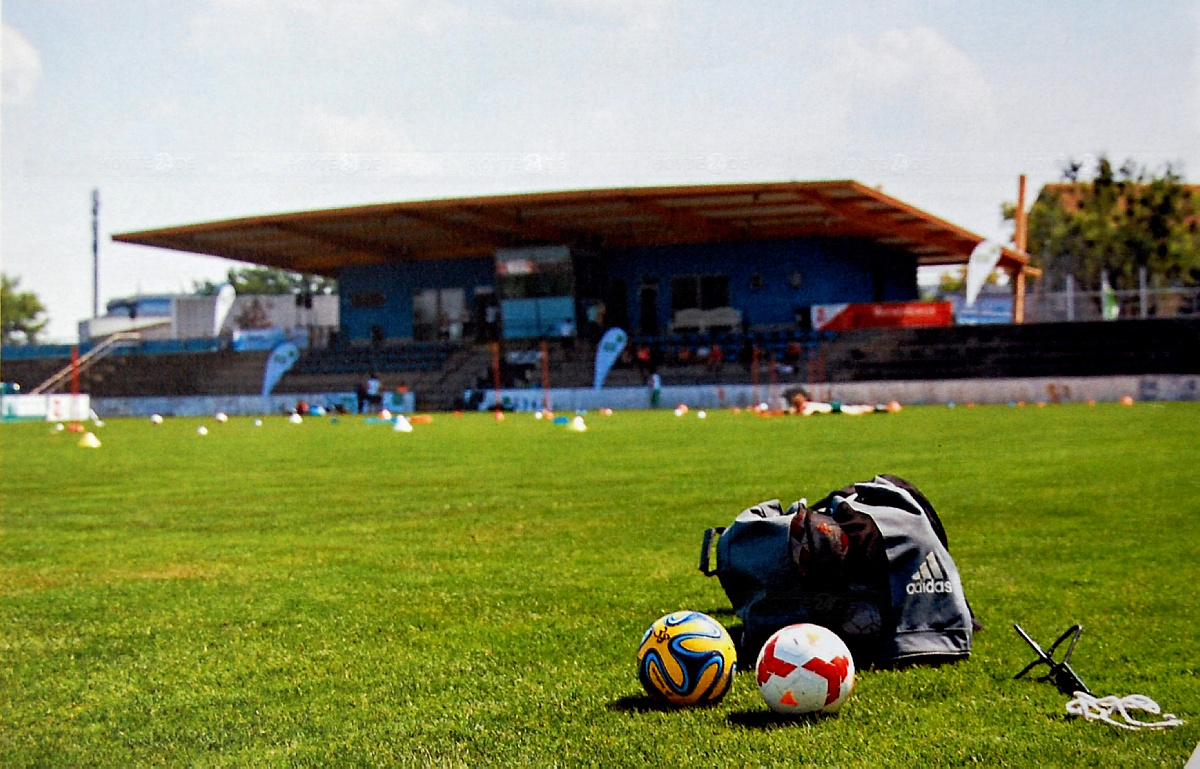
(929, 578)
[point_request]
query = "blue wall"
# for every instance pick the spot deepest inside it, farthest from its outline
(831, 270)
(397, 282)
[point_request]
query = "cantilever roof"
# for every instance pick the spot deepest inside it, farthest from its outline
(322, 241)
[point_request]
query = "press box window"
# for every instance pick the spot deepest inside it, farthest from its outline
(367, 300)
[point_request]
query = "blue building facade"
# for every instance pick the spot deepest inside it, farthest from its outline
(772, 283)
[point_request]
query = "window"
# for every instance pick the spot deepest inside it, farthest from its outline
(705, 292)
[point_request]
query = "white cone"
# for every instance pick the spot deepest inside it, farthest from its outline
(578, 425)
(401, 425)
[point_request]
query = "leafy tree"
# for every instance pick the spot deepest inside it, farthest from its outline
(1114, 224)
(955, 281)
(21, 313)
(269, 280)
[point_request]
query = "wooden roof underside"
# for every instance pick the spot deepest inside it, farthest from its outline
(322, 241)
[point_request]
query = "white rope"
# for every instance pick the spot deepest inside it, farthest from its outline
(1102, 708)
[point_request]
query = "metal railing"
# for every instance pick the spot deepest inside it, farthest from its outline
(1082, 306)
(92, 356)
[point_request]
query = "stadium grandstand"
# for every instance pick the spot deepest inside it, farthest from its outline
(715, 284)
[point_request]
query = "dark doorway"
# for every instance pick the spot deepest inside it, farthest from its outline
(617, 305)
(648, 308)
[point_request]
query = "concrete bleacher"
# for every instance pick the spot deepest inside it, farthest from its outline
(439, 373)
(1170, 346)
(409, 357)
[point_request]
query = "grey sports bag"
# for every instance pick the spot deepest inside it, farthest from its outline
(870, 562)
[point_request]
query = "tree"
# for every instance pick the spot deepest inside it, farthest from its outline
(21, 314)
(1114, 224)
(269, 280)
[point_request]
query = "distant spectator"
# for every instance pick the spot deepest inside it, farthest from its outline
(360, 394)
(374, 392)
(643, 360)
(655, 390)
(716, 359)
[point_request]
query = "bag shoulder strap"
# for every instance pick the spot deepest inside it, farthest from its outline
(710, 537)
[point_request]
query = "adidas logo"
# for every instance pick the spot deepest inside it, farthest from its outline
(929, 579)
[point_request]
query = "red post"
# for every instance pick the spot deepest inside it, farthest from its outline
(496, 371)
(74, 369)
(545, 376)
(773, 390)
(754, 374)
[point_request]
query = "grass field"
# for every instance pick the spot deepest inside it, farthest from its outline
(474, 592)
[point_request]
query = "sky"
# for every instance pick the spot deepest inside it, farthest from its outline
(184, 111)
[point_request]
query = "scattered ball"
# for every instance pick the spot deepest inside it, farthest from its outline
(295, 419)
(385, 414)
(606, 412)
(156, 419)
(686, 658)
(498, 416)
(805, 668)
(1127, 400)
(538, 415)
(58, 428)
(701, 414)
(258, 423)
(201, 430)
(221, 417)
(578, 425)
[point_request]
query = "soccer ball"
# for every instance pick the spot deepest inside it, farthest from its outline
(686, 658)
(805, 668)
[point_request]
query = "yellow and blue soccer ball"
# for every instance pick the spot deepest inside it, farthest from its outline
(686, 658)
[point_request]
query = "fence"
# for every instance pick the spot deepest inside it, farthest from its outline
(1072, 305)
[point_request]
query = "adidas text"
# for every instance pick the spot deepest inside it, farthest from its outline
(929, 586)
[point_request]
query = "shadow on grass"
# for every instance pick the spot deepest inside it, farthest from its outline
(643, 703)
(723, 612)
(768, 719)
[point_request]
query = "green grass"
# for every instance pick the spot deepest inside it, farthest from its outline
(473, 592)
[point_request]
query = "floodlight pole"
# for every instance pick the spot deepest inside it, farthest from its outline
(95, 253)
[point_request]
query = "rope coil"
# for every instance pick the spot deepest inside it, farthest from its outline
(1094, 708)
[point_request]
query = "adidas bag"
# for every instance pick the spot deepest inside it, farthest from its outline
(869, 562)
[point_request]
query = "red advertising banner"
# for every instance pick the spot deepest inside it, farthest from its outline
(842, 317)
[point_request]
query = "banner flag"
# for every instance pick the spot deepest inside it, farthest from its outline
(225, 296)
(1109, 308)
(282, 358)
(607, 352)
(983, 260)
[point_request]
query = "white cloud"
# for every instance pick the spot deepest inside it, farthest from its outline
(914, 78)
(21, 66)
(272, 24)
(356, 133)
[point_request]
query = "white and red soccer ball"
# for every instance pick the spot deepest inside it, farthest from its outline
(805, 668)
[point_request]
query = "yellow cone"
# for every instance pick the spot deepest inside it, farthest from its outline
(89, 441)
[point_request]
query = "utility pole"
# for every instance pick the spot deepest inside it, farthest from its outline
(95, 253)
